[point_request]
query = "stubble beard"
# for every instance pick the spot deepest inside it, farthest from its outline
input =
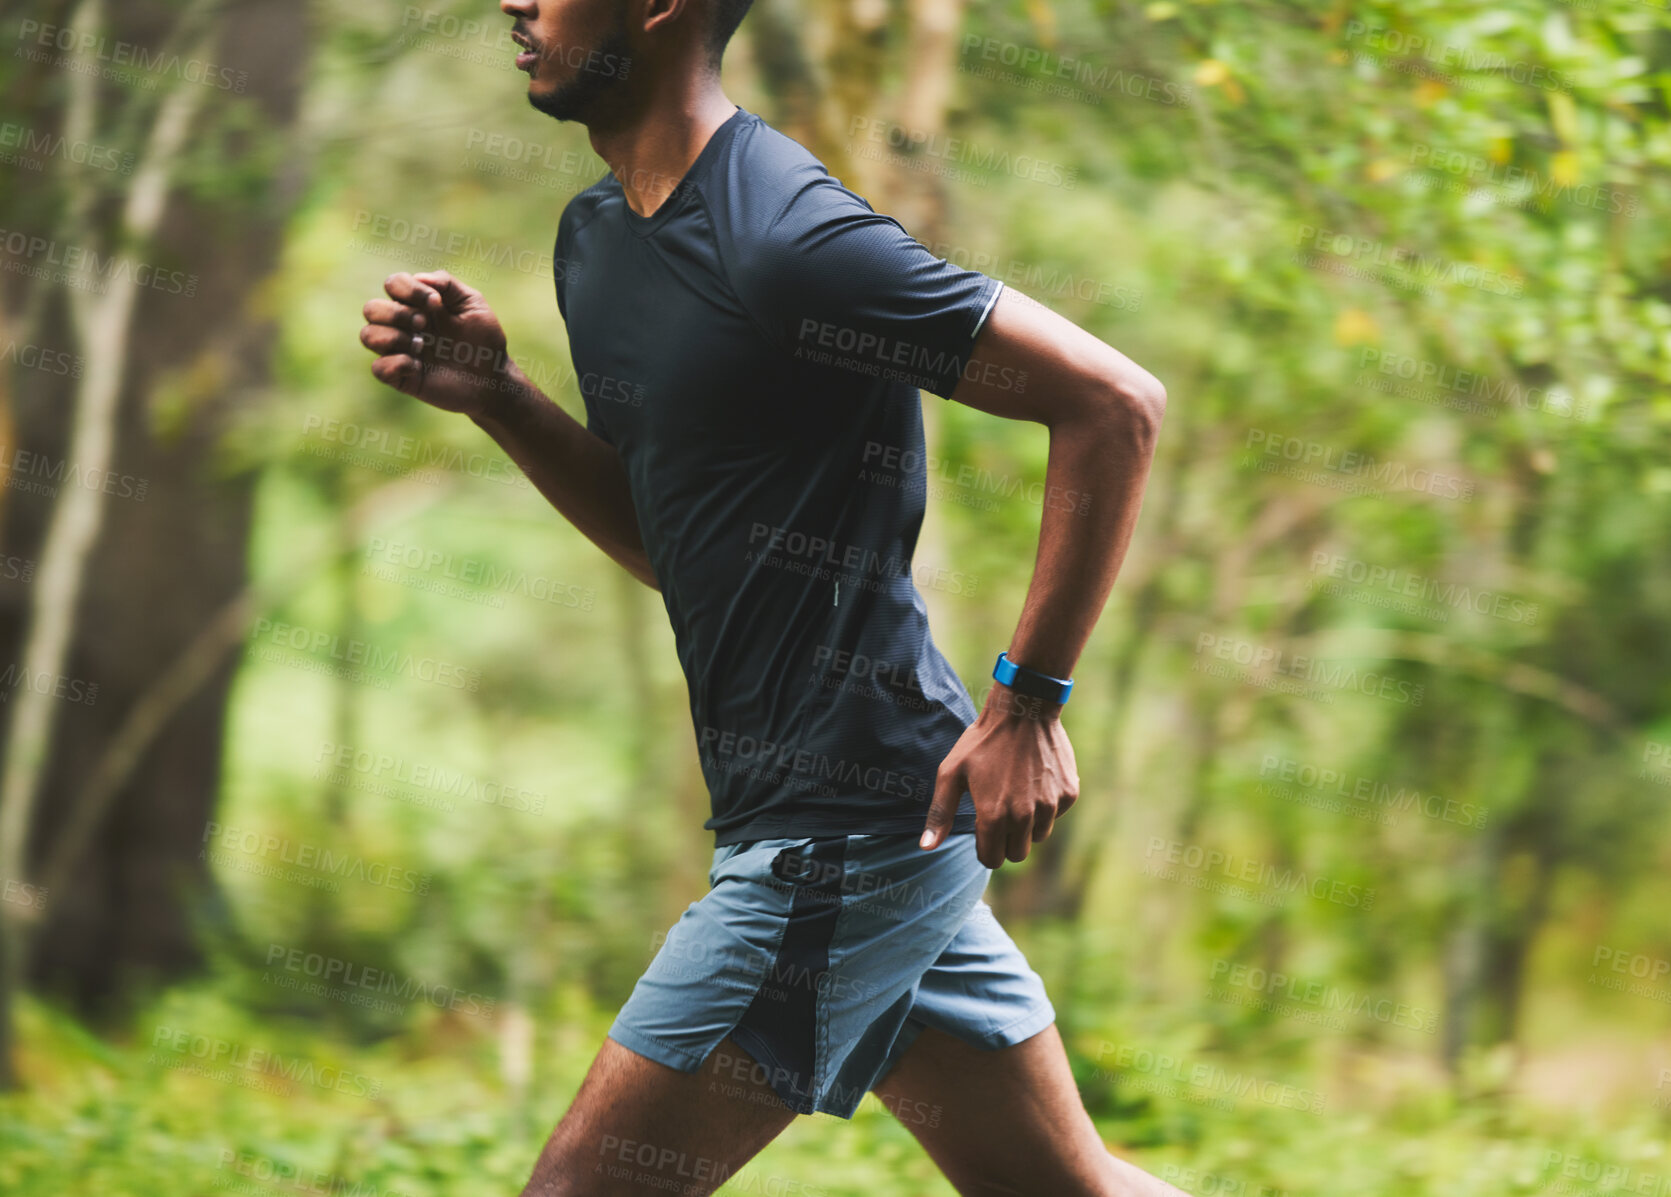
(591, 93)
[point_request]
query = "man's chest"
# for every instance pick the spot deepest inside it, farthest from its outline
(664, 352)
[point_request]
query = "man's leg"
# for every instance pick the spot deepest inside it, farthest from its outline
(638, 1127)
(1009, 1121)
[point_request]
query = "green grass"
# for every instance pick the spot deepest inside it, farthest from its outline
(427, 1113)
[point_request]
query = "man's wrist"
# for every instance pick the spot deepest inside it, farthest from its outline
(502, 395)
(1003, 703)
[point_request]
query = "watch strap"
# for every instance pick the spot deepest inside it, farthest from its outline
(1030, 682)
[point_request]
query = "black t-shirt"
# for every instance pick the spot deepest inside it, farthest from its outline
(753, 351)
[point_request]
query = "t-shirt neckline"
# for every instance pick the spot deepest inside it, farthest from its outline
(645, 225)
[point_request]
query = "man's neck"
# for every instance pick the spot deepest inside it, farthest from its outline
(651, 149)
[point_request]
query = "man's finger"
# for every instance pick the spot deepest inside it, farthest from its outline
(452, 292)
(948, 789)
(381, 339)
(1018, 836)
(990, 840)
(1044, 819)
(405, 374)
(395, 315)
(406, 289)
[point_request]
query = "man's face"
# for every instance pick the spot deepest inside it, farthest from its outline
(577, 54)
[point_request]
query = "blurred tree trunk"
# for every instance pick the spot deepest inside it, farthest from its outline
(164, 550)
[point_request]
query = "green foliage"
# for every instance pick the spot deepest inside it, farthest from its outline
(1435, 237)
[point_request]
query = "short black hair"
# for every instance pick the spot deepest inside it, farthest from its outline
(723, 18)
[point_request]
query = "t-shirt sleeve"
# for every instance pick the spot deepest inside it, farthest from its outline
(835, 283)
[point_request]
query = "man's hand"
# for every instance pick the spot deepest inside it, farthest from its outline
(436, 339)
(1017, 764)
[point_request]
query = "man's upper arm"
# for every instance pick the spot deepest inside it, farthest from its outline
(1030, 363)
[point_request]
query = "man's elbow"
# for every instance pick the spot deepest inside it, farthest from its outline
(1138, 400)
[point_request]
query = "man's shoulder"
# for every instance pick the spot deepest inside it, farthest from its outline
(766, 173)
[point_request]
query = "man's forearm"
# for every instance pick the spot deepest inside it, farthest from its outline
(1099, 463)
(579, 474)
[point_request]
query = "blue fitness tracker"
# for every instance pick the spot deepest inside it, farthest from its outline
(1031, 682)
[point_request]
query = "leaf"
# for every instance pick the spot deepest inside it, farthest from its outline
(1210, 72)
(1354, 326)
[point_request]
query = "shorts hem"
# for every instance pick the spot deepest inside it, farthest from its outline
(655, 1049)
(1018, 1030)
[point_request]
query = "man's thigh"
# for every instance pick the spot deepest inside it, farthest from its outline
(1007, 1120)
(639, 1128)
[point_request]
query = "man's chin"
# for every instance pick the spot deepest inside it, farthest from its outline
(550, 101)
(561, 103)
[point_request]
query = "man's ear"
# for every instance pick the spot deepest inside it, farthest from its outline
(658, 14)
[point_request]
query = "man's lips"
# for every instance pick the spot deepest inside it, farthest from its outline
(530, 53)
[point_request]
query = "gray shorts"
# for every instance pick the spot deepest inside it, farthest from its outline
(824, 958)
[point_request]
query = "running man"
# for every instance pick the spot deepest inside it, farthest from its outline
(750, 338)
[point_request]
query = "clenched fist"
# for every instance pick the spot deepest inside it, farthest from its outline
(437, 340)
